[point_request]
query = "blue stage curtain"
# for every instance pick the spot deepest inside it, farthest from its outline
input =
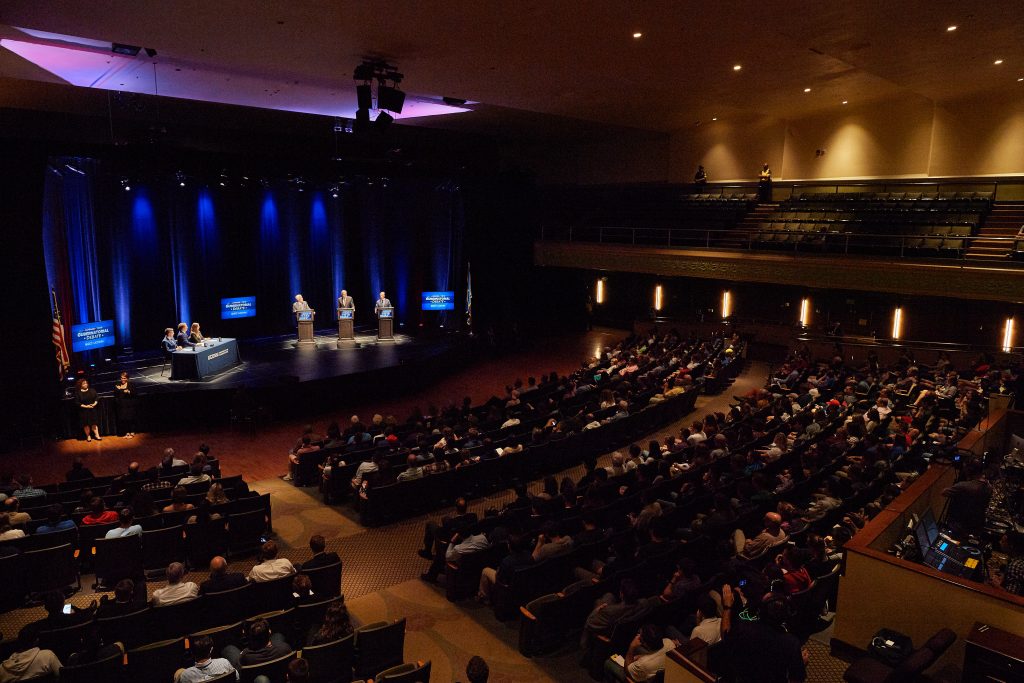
(161, 253)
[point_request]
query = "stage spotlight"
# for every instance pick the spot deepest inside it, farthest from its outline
(180, 178)
(384, 121)
(150, 52)
(390, 98)
(897, 323)
(126, 185)
(364, 96)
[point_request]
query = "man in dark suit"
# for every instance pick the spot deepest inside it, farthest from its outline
(220, 578)
(182, 339)
(320, 558)
(129, 596)
(345, 301)
(441, 534)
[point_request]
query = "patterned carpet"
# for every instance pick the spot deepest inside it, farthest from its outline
(381, 581)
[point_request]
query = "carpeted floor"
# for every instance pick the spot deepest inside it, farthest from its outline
(381, 581)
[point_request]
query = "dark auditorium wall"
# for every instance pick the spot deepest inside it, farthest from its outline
(630, 297)
(29, 365)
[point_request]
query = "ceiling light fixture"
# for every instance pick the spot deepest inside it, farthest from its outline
(998, 62)
(737, 67)
(807, 90)
(714, 118)
(637, 35)
(950, 29)
(1020, 79)
(845, 101)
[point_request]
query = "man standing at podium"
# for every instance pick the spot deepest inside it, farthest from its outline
(382, 302)
(345, 301)
(300, 304)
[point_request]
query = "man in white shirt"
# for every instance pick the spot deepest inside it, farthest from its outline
(176, 590)
(471, 544)
(709, 624)
(128, 526)
(206, 667)
(644, 658)
(272, 567)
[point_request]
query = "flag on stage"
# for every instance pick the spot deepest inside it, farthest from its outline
(469, 296)
(60, 347)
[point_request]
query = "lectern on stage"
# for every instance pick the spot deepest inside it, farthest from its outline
(386, 324)
(346, 328)
(305, 320)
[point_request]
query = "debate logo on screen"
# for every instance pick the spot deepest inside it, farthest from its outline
(89, 336)
(438, 301)
(238, 307)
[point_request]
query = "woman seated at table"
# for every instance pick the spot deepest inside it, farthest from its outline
(195, 336)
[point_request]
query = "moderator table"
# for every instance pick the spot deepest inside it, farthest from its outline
(205, 360)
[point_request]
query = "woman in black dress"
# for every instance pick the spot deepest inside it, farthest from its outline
(126, 403)
(88, 404)
(195, 335)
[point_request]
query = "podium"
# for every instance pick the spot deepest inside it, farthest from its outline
(386, 324)
(305, 322)
(346, 328)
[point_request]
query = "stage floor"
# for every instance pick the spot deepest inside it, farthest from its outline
(272, 361)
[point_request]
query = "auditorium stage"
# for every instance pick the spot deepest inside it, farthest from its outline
(275, 378)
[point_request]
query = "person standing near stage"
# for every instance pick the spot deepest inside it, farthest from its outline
(382, 302)
(88, 408)
(125, 402)
(345, 301)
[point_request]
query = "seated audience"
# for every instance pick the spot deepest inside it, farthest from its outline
(179, 502)
(261, 646)
(611, 609)
(206, 666)
(435, 533)
(271, 566)
(195, 475)
(26, 490)
(645, 656)
(758, 645)
(771, 536)
(29, 662)
(99, 513)
(176, 589)
(128, 597)
(55, 521)
(320, 558)
(78, 471)
(477, 670)
(551, 542)
(128, 527)
(12, 506)
(7, 532)
(220, 578)
(337, 624)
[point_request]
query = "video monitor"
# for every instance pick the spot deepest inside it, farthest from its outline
(89, 336)
(438, 301)
(346, 314)
(238, 307)
(387, 313)
(305, 315)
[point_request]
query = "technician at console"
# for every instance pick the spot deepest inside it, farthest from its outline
(382, 302)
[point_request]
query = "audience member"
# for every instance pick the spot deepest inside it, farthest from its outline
(99, 513)
(220, 578)
(29, 662)
(206, 666)
(477, 670)
(78, 471)
(261, 646)
(12, 506)
(176, 589)
(337, 624)
(645, 656)
(55, 521)
(128, 527)
(271, 566)
(320, 558)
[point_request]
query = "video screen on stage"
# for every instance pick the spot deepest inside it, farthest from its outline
(305, 315)
(438, 301)
(387, 313)
(238, 307)
(89, 336)
(346, 314)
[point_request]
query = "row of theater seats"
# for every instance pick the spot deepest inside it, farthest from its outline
(717, 199)
(551, 606)
(395, 501)
(981, 200)
(156, 641)
(37, 563)
(924, 240)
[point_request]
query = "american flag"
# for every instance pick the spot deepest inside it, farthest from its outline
(60, 347)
